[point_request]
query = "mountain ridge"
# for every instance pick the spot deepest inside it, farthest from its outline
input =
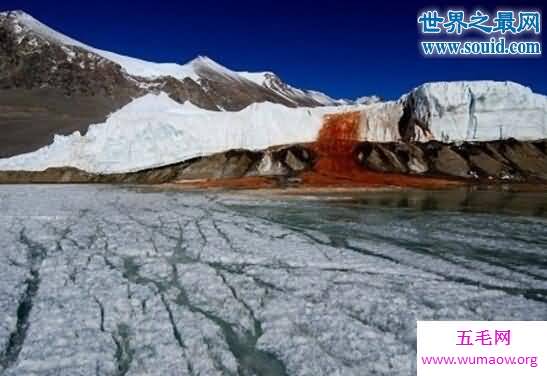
(51, 84)
(195, 69)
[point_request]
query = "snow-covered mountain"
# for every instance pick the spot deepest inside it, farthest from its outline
(74, 84)
(27, 29)
(271, 81)
(368, 99)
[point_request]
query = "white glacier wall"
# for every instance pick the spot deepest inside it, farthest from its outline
(380, 122)
(479, 110)
(154, 131)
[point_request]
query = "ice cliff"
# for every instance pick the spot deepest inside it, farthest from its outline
(478, 110)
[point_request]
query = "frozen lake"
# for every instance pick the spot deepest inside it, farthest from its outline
(117, 281)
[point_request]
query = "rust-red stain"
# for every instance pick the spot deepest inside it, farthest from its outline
(336, 143)
(336, 164)
(339, 134)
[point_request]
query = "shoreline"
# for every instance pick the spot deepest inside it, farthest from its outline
(311, 182)
(235, 185)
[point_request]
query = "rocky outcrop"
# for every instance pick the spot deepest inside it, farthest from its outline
(184, 90)
(487, 164)
(509, 160)
(416, 161)
(235, 163)
(295, 163)
(525, 157)
(281, 162)
(29, 61)
(269, 166)
(447, 161)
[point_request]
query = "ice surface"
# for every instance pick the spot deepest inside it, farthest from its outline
(100, 280)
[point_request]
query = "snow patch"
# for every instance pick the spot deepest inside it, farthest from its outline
(258, 78)
(368, 99)
(273, 82)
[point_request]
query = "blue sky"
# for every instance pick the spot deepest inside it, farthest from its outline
(344, 48)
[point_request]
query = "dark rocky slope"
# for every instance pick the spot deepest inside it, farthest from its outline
(46, 89)
(494, 162)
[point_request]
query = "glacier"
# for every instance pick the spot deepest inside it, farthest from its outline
(155, 130)
(479, 111)
(105, 280)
